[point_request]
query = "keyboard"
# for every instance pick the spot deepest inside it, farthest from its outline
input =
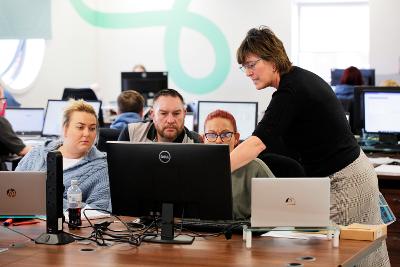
(380, 148)
(212, 226)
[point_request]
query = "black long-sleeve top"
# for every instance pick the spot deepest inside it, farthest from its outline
(305, 113)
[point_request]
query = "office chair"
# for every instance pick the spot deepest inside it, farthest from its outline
(85, 94)
(106, 134)
(282, 166)
(79, 93)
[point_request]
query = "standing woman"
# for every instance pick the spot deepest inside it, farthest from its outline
(305, 113)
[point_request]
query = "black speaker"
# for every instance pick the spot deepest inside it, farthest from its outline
(54, 203)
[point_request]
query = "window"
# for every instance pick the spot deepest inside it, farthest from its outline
(21, 62)
(332, 34)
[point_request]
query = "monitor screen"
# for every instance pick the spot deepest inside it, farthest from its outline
(146, 83)
(25, 120)
(189, 121)
(53, 117)
(195, 178)
(368, 76)
(245, 114)
(382, 112)
(376, 109)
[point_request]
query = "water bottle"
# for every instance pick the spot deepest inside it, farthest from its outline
(74, 197)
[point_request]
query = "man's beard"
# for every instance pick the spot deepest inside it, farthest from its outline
(170, 136)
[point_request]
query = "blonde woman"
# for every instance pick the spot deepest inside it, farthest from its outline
(81, 159)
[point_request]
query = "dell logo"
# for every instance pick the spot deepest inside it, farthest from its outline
(164, 156)
(290, 201)
(11, 192)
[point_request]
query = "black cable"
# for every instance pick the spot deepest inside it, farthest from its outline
(15, 231)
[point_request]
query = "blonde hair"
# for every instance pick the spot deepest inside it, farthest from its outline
(78, 106)
(390, 83)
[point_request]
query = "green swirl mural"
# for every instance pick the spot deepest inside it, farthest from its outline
(173, 20)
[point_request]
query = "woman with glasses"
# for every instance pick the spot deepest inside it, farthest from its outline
(220, 128)
(305, 113)
(10, 143)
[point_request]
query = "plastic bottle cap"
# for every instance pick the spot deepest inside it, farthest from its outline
(74, 182)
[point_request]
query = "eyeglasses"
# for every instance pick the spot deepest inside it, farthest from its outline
(251, 65)
(225, 136)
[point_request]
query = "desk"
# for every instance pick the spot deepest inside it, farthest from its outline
(211, 251)
(389, 185)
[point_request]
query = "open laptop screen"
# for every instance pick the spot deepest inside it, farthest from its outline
(54, 112)
(27, 121)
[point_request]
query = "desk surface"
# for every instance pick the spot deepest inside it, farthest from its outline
(210, 251)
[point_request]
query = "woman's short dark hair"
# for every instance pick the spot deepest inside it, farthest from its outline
(264, 43)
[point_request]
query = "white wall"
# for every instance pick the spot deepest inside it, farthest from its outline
(82, 54)
(385, 38)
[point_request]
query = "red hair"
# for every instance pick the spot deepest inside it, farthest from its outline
(219, 113)
(351, 76)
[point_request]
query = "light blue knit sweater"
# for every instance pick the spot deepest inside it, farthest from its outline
(91, 173)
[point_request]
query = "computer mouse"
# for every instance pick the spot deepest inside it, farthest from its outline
(394, 163)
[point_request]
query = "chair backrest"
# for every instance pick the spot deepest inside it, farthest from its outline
(282, 166)
(79, 93)
(106, 134)
(85, 94)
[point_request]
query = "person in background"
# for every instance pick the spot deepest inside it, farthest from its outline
(305, 112)
(351, 77)
(130, 109)
(81, 159)
(11, 101)
(167, 125)
(220, 128)
(139, 68)
(10, 143)
(390, 83)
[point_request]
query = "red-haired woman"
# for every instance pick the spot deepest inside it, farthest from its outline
(220, 128)
(351, 77)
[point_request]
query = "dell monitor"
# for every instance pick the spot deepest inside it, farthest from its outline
(54, 113)
(368, 76)
(245, 114)
(26, 121)
(172, 179)
(377, 111)
(146, 83)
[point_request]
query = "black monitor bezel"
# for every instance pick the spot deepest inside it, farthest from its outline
(160, 76)
(359, 108)
(136, 192)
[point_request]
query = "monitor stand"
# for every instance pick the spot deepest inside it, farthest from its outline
(167, 229)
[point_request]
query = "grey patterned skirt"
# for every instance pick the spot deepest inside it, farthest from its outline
(355, 199)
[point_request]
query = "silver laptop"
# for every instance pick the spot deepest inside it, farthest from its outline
(22, 194)
(303, 202)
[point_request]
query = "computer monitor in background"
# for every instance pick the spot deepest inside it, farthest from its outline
(146, 83)
(368, 76)
(245, 113)
(377, 111)
(26, 121)
(174, 180)
(54, 112)
(189, 121)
